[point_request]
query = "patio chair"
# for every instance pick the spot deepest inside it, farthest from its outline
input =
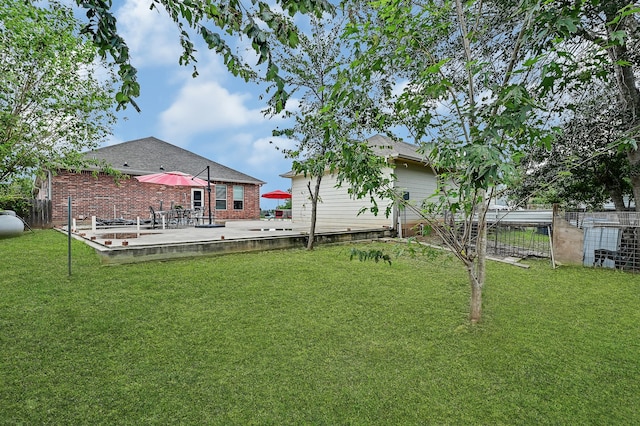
(196, 216)
(154, 218)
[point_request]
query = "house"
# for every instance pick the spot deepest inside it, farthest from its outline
(413, 178)
(234, 195)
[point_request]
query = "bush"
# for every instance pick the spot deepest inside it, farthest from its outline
(18, 204)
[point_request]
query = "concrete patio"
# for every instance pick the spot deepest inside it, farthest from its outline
(117, 245)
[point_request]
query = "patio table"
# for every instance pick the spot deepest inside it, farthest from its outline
(174, 217)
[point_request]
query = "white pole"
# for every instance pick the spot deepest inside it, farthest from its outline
(74, 228)
(93, 224)
(162, 221)
(138, 226)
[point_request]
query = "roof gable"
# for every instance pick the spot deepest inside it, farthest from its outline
(387, 147)
(152, 155)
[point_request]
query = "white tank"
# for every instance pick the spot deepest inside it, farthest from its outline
(10, 225)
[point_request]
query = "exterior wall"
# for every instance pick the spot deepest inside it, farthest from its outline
(338, 209)
(100, 196)
(420, 182)
(335, 207)
(251, 208)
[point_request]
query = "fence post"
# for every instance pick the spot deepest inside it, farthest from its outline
(69, 234)
(39, 214)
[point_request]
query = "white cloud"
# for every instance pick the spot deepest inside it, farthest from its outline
(264, 153)
(293, 105)
(400, 87)
(209, 66)
(151, 35)
(203, 106)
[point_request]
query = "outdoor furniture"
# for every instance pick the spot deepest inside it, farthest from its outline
(180, 217)
(196, 217)
(154, 218)
(283, 214)
(174, 218)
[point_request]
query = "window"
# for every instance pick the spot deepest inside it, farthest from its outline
(221, 197)
(238, 197)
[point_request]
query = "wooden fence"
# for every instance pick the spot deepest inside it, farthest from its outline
(40, 214)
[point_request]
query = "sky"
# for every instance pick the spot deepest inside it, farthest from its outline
(214, 115)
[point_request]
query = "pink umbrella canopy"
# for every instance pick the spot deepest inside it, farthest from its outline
(172, 179)
(277, 194)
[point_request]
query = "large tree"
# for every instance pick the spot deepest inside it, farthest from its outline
(216, 22)
(53, 105)
(458, 82)
(321, 129)
(600, 39)
(584, 166)
(477, 82)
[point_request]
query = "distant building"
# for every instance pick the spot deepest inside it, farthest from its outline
(234, 195)
(414, 179)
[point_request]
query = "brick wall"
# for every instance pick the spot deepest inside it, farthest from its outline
(102, 197)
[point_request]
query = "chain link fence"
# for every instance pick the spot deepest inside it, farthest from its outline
(611, 239)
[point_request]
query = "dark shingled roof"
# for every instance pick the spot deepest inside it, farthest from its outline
(152, 155)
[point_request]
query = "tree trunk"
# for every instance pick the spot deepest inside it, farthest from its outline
(617, 198)
(475, 311)
(634, 175)
(477, 269)
(627, 89)
(481, 242)
(315, 193)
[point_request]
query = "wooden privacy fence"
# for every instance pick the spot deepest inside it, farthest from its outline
(40, 214)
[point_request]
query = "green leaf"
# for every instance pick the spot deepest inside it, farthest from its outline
(618, 37)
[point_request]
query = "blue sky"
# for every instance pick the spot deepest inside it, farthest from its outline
(214, 115)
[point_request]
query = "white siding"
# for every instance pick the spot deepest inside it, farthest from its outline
(419, 181)
(335, 207)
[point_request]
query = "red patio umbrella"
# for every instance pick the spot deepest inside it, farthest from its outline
(172, 179)
(277, 194)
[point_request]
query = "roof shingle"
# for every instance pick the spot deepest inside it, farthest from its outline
(152, 155)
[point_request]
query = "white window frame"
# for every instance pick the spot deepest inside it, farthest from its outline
(238, 199)
(221, 187)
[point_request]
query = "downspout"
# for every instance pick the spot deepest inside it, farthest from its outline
(395, 220)
(49, 185)
(397, 229)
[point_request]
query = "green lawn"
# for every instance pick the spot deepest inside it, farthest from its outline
(292, 337)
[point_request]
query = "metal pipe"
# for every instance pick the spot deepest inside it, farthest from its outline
(209, 193)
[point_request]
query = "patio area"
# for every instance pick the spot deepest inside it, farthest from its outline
(129, 244)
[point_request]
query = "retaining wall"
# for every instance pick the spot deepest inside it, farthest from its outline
(122, 255)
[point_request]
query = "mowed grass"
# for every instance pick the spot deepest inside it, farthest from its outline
(296, 337)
